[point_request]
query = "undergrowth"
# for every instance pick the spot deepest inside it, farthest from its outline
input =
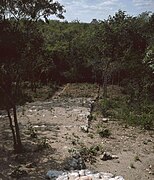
(139, 113)
(88, 154)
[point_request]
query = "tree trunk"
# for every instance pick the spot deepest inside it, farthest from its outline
(15, 132)
(12, 128)
(98, 92)
(33, 86)
(18, 147)
(105, 86)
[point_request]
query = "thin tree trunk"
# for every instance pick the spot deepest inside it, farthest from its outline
(105, 86)
(16, 132)
(105, 75)
(12, 128)
(112, 80)
(19, 144)
(118, 79)
(98, 92)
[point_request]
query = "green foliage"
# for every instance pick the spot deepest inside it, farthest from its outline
(117, 51)
(138, 114)
(31, 9)
(42, 144)
(21, 51)
(32, 130)
(129, 106)
(149, 58)
(104, 133)
(90, 135)
(88, 154)
(106, 105)
(144, 120)
(90, 117)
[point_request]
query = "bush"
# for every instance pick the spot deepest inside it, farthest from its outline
(43, 144)
(133, 113)
(88, 154)
(106, 105)
(104, 133)
(143, 117)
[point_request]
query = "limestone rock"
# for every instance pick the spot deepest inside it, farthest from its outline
(105, 120)
(84, 128)
(83, 175)
(106, 176)
(75, 163)
(107, 156)
(84, 178)
(53, 174)
(117, 178)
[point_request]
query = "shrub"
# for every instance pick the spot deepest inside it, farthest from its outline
(87, 154)
(43, 144)
(107, 105)
(104, 133)
(138, 114)
(32, 131)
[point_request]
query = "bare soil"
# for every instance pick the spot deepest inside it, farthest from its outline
(51, 129)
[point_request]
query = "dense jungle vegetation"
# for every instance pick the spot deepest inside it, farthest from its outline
(117, 51)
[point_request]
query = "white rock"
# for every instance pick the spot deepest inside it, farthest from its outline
(84, 128)
(3, 116)
(37, 126)
(73, 175)
(114, 157)
(81, 175)
(62, 177)
(117, 178)
(84, 178)
(105, 119)
(87, 172)
(97, 176)
(53, 174)
(76, 110)
(106, 176)
(106, 156)
(82, 172)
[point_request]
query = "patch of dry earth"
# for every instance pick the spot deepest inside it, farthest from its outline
(59, 121)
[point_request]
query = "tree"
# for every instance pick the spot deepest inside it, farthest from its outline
(105, 48)
(12, 39)
(30, 9)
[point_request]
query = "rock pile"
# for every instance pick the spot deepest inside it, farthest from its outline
(81, 175)
(74, 163)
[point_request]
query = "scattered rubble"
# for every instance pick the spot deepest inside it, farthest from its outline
(107, 156)
(74, 163)
(81, 175)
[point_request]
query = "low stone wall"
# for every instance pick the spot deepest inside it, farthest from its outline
(81, 175)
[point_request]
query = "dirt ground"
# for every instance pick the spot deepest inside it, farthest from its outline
(51, 130)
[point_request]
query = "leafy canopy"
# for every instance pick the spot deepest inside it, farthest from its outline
(30, 9)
